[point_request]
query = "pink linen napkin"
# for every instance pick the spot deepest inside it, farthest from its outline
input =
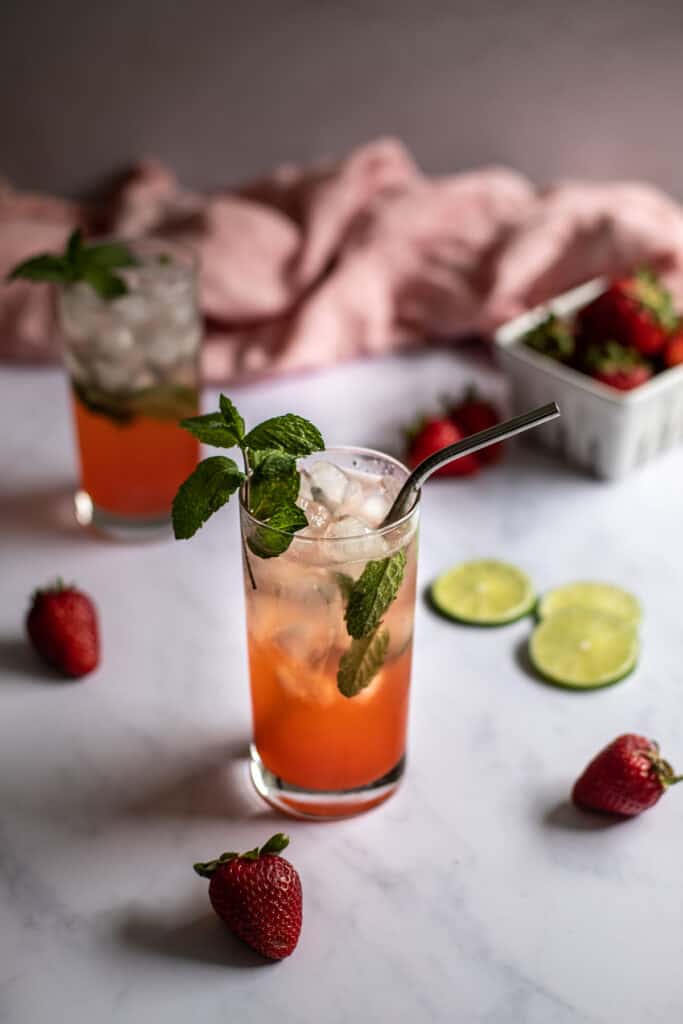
(311, 266)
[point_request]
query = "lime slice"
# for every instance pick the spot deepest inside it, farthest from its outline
(583, 649)
(599, 597)
(484, 593)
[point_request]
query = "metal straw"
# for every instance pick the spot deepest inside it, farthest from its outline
(500, 432)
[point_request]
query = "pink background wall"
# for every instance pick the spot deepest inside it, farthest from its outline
(222, 90)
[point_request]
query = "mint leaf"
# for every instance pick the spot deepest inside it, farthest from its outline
(106, 284)
(290, 433)
(272, 539)
(274, 483)
(372, 594)
(361, 663)
(210, 429)
(109, 255)
(345, 584)
(74, 254)
(232, 419)
(41, 268)
(203, 493)
(79, 262)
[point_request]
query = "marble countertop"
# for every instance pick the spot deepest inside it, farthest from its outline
(477, 894)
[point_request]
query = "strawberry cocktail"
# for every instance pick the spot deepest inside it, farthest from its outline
(130, 327)
(330, 597)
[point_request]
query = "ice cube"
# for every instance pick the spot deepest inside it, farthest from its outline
(347, 526)
(161, 347)
(115, 341)
(82, 312)
(318, 516)
(305, 492)
(133, 309)
(351, 540)
(306, 641)
(328, 484)
(305, 647)
(187, 339)
(113, 375)
(374, 508)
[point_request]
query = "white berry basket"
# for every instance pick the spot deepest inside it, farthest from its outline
(607, 432)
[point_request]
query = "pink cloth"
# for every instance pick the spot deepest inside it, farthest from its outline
(315, 265)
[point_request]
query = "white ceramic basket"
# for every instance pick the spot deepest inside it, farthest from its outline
(605, 431)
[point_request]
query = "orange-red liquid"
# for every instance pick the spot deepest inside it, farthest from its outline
(336, 744)
(132, 469)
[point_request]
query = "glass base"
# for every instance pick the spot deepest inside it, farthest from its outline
(320, 805)
(125, 528)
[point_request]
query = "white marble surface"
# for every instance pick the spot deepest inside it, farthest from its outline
(475, 895)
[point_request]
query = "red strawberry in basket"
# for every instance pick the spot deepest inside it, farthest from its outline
(258, 895)
(430, 436)
(473, 414)
(635, 311)
(62, 625)
(673, 351)
(625, 778)
(620, 367)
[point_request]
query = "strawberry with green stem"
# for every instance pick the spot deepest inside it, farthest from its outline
(627, 777)
(617, 365)
(258, 894)
(635, 311)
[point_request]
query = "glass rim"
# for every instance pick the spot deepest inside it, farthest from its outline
(372, 532)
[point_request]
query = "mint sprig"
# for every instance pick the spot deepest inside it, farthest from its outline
(95, 264)
(206, 490)
(361, 663)
(269, 452)
(290, 433)
(367, 601)
(372, 593)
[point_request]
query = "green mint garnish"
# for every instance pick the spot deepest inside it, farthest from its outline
(95, 264)
(367, 602)
(372, 593)
(346, 585)
(269, 452)
(274, 483)
(289, 433)
(211, 429)
(211, 485)
(273, 539)
(232, 418)
(361, 663)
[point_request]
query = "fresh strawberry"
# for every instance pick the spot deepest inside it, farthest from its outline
(636, 311)
(616, 365)
(625, 778)
(62, 625)
(673, 352)
(473, 414)
(258, 895)
(433, 434)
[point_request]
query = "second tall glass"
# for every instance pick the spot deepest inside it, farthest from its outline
(133, 364)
